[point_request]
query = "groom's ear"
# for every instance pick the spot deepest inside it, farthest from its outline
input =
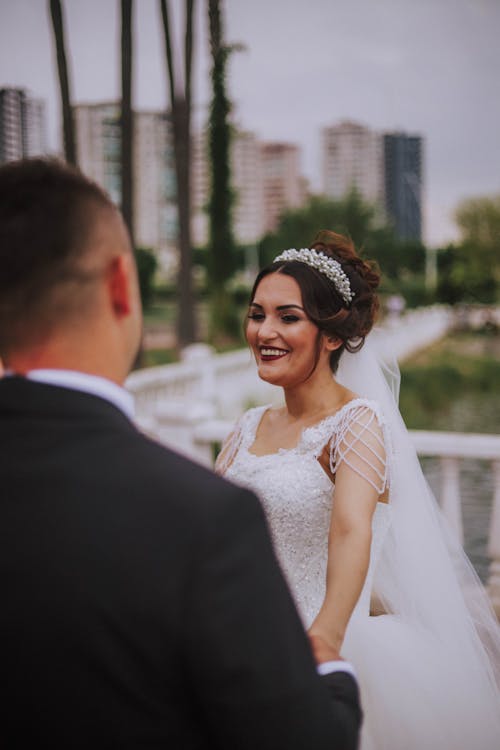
(119, 285)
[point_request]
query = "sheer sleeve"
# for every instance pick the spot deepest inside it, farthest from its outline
(360, 443)
(229, 449)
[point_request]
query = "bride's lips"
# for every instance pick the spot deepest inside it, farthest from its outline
(271, 353)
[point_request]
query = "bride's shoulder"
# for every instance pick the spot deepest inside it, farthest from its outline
(357, 416)
(360, 404)
(252, 417)
(254, 412)
(360, 416)
(358, 408)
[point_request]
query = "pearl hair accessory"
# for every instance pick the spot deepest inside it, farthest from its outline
(328, 266)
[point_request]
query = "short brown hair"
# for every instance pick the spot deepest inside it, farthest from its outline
(46, 220)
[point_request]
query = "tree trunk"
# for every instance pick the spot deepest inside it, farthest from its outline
(127, 125)
(56, 13)
(221, 261)
(180, 102)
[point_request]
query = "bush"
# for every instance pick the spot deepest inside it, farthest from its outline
(433, 383)
(146, 269)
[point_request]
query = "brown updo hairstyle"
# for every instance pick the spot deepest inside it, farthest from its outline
(350, 322)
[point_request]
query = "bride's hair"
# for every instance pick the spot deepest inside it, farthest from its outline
(323, 304)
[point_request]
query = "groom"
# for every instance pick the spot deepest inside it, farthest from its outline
(141, 601)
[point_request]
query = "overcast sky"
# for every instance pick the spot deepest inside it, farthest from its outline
(424, 66)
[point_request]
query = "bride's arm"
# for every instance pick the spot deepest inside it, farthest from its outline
(349, 542)
(359, 467)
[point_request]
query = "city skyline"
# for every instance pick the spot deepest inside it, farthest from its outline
(428, 68)
(266, 177)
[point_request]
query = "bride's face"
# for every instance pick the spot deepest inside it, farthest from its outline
(283, 339)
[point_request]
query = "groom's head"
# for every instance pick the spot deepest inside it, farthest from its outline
(68, 284)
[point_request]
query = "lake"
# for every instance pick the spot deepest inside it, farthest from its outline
(476, 491)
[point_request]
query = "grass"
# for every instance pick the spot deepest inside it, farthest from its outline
(154, 357)
(453, 385)
(160, 313)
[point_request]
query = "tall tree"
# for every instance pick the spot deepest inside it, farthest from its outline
(180, 104)
(127, 124)
(221, 260)
(56, 13)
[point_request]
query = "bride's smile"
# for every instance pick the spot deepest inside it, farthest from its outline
(267, 354)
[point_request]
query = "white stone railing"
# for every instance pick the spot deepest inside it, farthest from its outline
(451, 447)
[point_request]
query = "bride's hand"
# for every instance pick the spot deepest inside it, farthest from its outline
(322, 650)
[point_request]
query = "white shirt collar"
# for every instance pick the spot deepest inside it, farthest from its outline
(93, 384)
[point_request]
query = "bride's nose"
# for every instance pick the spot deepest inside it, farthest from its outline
(267, 329)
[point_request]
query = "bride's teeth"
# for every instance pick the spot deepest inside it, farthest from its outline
(272, 352)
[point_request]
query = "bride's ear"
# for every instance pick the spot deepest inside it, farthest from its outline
(332, 343)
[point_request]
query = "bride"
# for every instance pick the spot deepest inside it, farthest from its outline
(351, 516)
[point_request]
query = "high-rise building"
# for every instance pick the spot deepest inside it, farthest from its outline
(385, 169)
(403, 184)
(99, 156)
(22, 125)
(283, 186)
(156, 222)
(246, 184)
(352, 158)
(99, 144)
(200, 187)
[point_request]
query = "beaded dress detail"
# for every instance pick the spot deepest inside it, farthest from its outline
(296, 492)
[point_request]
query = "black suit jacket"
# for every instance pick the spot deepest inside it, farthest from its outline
(141, 603)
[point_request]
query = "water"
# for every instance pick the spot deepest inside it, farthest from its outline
(476, 491)
(473, 413)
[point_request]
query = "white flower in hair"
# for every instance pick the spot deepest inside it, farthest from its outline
(328, 266)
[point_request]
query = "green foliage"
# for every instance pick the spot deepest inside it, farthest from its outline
(154, 357)
(470, 270)
(146, 269)
(203, 257)
(428, 390)
(225, 327)
(297, 227)
(402, 263)
(478, 220)
(452, 372)
(414, 289)
(161, 312)
(468, 273)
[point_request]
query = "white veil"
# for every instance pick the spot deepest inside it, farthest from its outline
(423, 575)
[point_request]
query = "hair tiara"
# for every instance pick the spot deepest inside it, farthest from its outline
(327, 266)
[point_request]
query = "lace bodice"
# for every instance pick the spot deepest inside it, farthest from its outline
(297, 494)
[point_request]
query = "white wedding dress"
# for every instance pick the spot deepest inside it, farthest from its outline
(416, 693)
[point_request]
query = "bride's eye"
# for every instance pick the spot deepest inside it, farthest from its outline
(290, 318)
(255, 316)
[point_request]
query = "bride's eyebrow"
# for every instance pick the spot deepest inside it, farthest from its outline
(279, 307)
